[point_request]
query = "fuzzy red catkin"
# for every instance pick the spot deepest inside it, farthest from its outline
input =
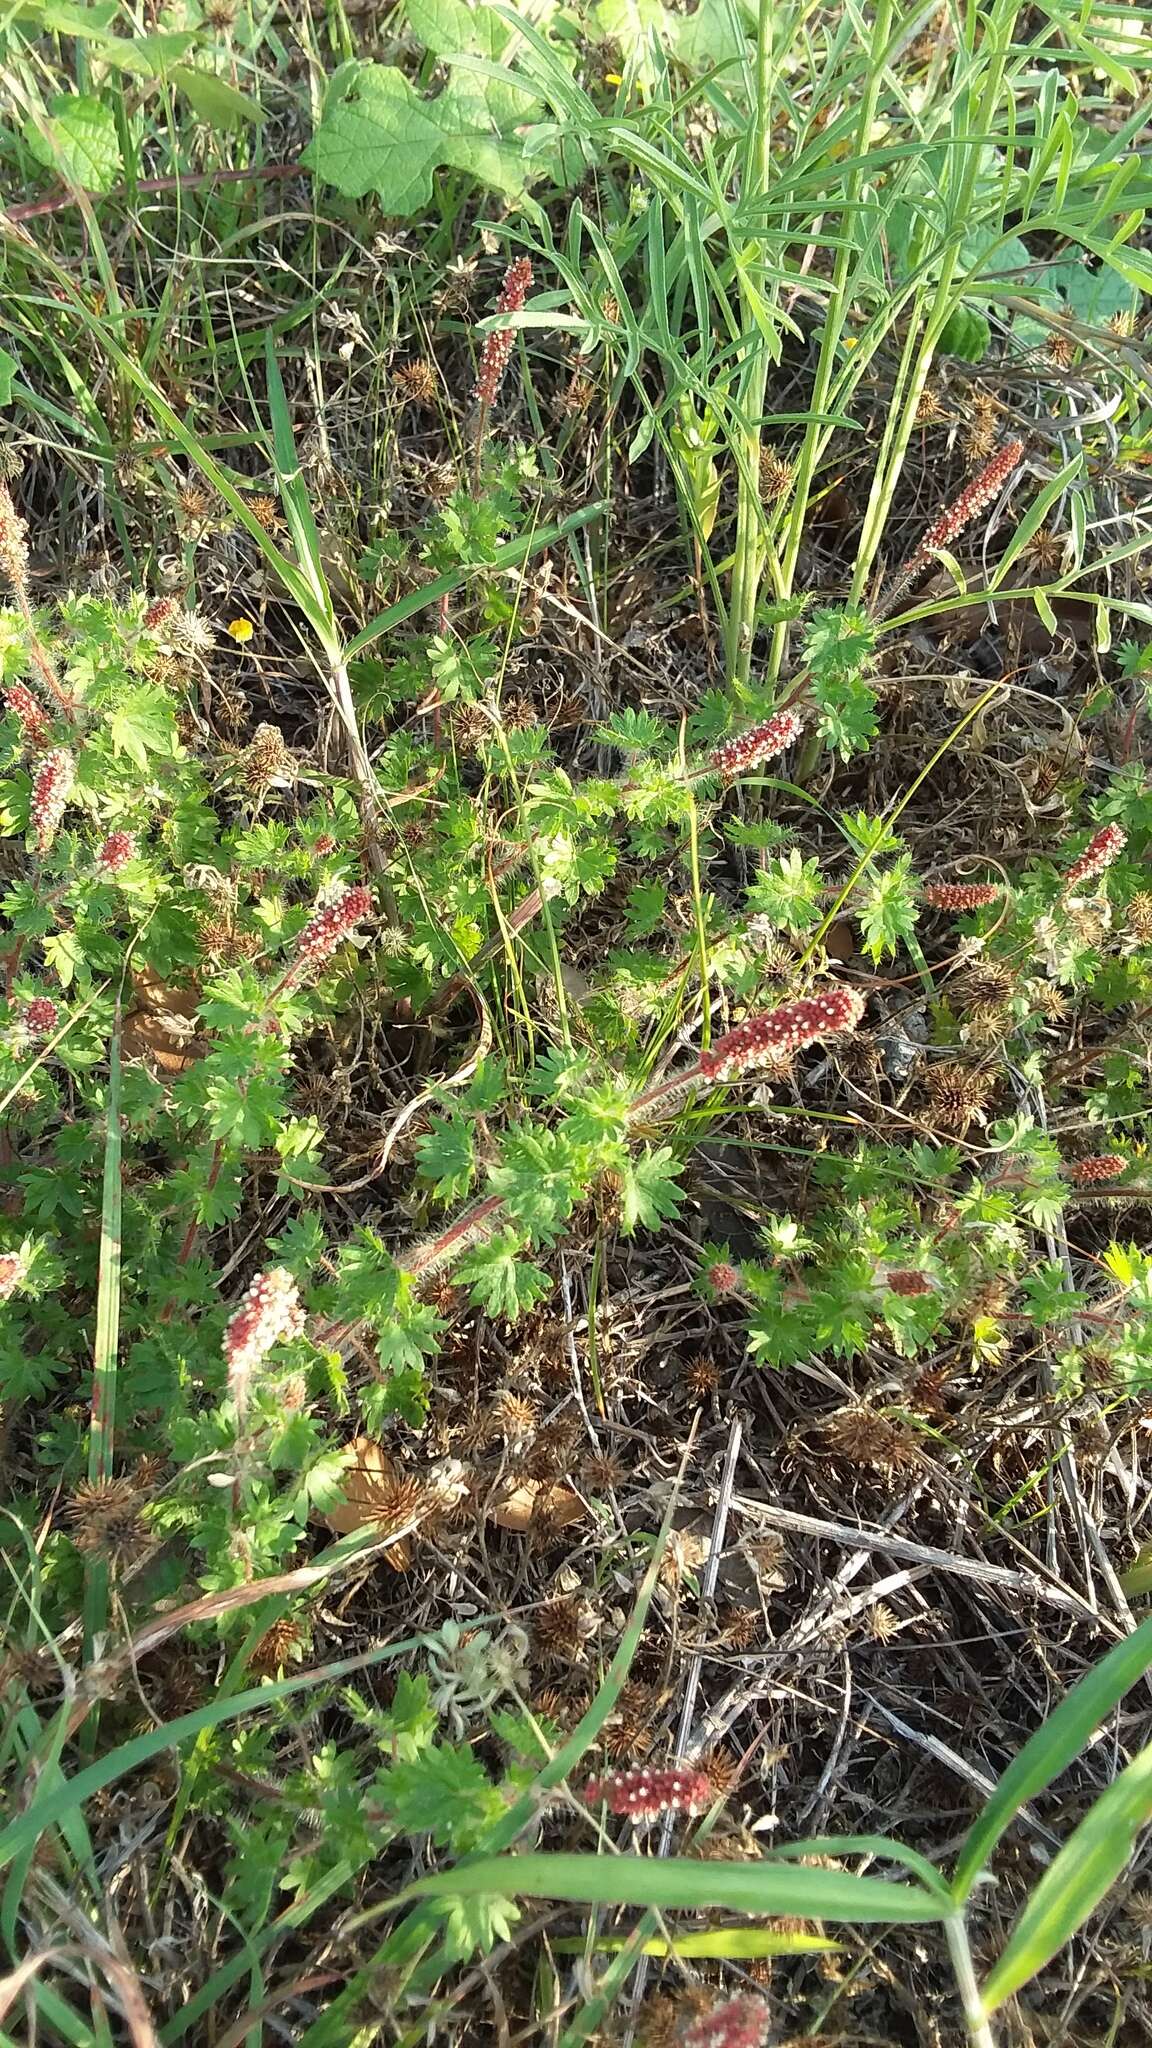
(118, 849)
(1101, 1166)
(961, 895)
(499, 343)
(324, 932)
(760, 743)
(644, 1793)
(269, 1313)
(13, 1267)
(40, 1016)
(968, 506)
(1102, 849)
(51, 789)
(781, 1031)
(742, 2022)
(33, 718)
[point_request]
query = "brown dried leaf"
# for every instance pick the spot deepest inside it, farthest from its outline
(376, 1491)
(536, 1500)
(161, 1024)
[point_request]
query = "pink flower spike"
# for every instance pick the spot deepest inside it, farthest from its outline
(21, 702)
(760, 743)
(1102, 849)
(500, 341)
(51, 789)
(961, 895)
(1102, 1166)
(971, 502)
(644, 1794)
(739, 2023)
(325, 931)
(118, 849)
(908, 1282)
(13, 1267)
(761, 1040)
(162, 612)
(40, 1016)
(269, 1314)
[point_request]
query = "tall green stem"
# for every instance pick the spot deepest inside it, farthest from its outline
(750, 549)
(975, 2018)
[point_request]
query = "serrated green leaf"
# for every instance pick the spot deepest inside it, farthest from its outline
(8, 369)
(648, 1191)
(78, 141)
(377, 135)
(143, 724)
(216, 102)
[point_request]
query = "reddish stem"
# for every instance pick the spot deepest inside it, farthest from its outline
(34, 208)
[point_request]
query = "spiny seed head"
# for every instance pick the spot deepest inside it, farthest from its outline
(760, 743)
(644, 1794)
(741, 2022)
(327, 930)
(27, 708)
(961, 895)
(40, 1017)
(959, 1095)
(417, 381)
(266, 512)
(13, 541)
(1101, 1166)
(972, 500)
(51, 789)
(778, 1032)
(104, 1519)
(276, 1647)
(267, 757)
(13, 1270)
(1102, 849)
(498, 344)
(776, 475)
(269, 1314)
(861, 1437)
(118, 849)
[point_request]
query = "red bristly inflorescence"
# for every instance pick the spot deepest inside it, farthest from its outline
(324, 932)
(40, 1016)
(961, 895)
(13, 542)
(269, 1314)
(13, 1267)
(33, 718)
(742, 2022)
(908, 1282)
(723, 1277)
(51, 789)
(760, 743)
(968, 506)
(118, 849)
(1102, 849)
(161, 612)
(778, 1032)
(498, 344)
(645, 1793)
(1101, 1166)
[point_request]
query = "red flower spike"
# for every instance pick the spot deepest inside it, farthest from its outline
(324, 845)
(28, 709)
(320, 938)
(118, 849)
(499, 343)
(40, 1016)
(161, 612)
(968, 506)
(759, 744)
(269, 1313)
(742, 2022)
(13, 1267)
(1102, 849)
(961, 895)
(908, 1283)
(51, 789)
(761, 1040)
(644, 1794)
(13, 542)
(1102, 1166)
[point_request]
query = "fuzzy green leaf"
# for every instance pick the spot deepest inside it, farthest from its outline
(79, 141)
(376, 134)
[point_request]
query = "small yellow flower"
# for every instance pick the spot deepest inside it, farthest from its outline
(241, 630)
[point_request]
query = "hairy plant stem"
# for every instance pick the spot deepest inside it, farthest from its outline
(750, 542)
(980, 2033)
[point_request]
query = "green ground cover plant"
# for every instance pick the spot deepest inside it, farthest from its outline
(575, 1305)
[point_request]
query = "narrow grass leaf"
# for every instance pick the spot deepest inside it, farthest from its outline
(1090, 1861)
(718, 1944)
(682, 1882)
(1049, 1752)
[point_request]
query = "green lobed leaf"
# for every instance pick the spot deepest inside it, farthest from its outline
(215, 101)
(377, 135)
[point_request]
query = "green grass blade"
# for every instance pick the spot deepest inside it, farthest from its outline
(682, 1882)
(1088, 1864)
(293, 490)
(723, 1944)
(1056, 1742)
